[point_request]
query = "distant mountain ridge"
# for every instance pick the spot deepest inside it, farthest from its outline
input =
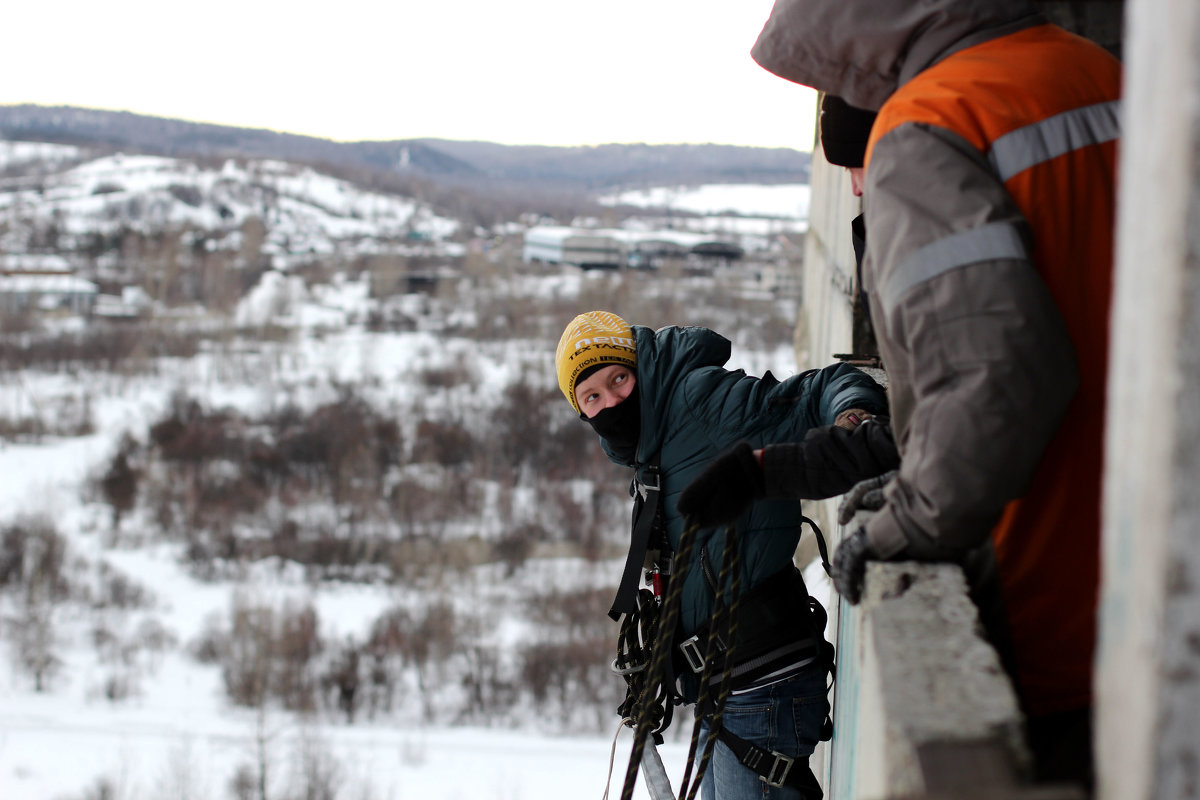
(471, 164)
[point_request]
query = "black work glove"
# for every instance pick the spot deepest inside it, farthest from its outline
(865, 495)
(725, 489)
(850, 565)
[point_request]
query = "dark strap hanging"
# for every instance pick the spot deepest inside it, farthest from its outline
(822, 548)
(648, 485)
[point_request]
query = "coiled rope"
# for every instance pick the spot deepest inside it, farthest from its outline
(658, 662)
(724, 621)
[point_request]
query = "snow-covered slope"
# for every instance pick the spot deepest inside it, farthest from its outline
(787, 201)
(304, 211)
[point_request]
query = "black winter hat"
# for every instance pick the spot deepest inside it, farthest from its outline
(844, 131)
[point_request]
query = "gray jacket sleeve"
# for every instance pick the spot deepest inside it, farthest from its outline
(980, 365)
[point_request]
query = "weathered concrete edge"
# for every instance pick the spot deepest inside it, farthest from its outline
(930, 681)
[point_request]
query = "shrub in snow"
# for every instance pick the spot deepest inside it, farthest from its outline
(32, 574)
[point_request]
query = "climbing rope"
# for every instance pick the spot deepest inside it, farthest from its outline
(723, 626)
(657, 669)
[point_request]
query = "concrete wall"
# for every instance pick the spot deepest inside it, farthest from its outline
(1148, 667)
(827, 325)
(927, 703)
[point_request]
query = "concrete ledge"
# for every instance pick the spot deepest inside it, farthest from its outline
(935, 714)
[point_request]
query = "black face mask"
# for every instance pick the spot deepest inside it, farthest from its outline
(620, 425)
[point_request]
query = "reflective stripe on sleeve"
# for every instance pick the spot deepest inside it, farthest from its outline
(996, 240)
(1023, 148)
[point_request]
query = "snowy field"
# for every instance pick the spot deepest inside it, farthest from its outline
(178, 737)
(52, 751)
(787, 201)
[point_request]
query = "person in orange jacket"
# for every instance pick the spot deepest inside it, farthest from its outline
(989, 203)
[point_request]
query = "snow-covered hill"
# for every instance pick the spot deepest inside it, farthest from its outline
(787, 201)
(471, 163)
(68, 198)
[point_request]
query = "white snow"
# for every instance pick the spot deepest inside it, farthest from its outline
(307, 212)
(13, 153)
(177, 736)
(787, 201)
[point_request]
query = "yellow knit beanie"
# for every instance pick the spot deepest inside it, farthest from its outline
(594, 339)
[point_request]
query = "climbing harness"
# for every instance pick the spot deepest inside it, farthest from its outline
(635, 643)
(720, 667)
(647, 657)
(660, 656)
(723, 625)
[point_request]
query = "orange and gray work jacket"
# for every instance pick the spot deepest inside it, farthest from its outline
(989, 203)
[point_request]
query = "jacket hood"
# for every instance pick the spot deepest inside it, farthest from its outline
(863, 50)
(664, 357)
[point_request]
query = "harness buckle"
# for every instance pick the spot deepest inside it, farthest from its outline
(651, 481)
(692, 653)
(781, 767)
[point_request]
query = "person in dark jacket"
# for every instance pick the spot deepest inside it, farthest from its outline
(662, 402)
(831, 460)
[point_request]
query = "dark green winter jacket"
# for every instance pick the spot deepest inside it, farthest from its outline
(692, 410)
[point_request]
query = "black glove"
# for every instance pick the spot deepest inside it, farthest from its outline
(850, 565)
(725, 489)
(865, 495)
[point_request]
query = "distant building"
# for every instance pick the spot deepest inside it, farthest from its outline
(34, 264)
(778, 277)
(41, 292)
(133, 303)
(612, 249)
(698, 252)
(589, 249)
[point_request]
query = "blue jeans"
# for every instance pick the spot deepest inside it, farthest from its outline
(784, 717)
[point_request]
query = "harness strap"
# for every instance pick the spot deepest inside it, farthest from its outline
(781, 629)
(822, 548)
(773, 656)
(648, 484)
(774, 769)
(662, 648)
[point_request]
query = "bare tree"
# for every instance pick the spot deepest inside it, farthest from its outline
(34, 639)
(33, 564)
(119, 485)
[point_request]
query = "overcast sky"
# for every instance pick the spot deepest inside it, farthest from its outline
(514, 71)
